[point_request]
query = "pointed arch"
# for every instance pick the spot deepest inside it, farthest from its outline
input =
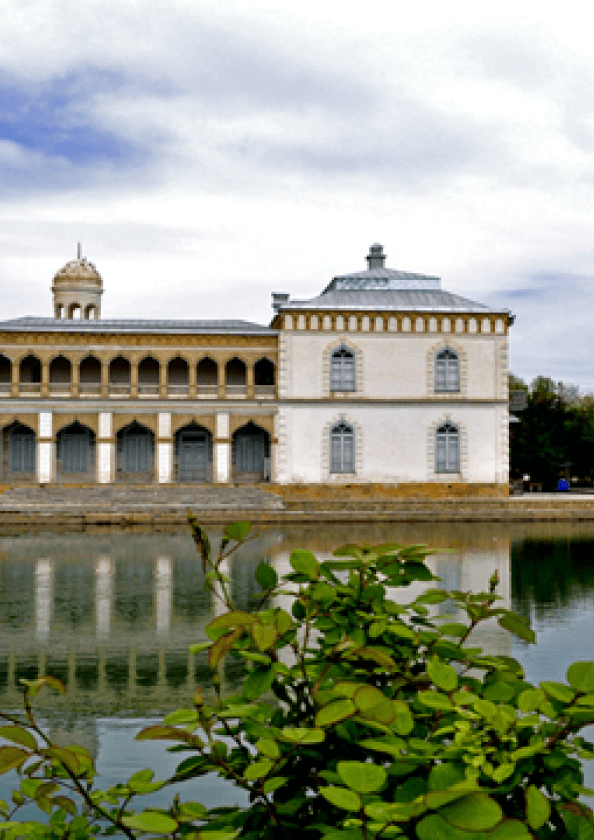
(342, 368)
(447, 452)
(135, 453)
(250, 453)
(193, 454)
(75, 452)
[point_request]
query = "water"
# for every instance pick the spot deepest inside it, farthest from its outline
(113, 617)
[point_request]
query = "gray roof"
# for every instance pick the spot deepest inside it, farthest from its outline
(416, 300)
(133, 326)
(383, 278)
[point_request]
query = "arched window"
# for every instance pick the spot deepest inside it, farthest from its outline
(447, 370)
(342, 370)
(447, 449)
(342, 448)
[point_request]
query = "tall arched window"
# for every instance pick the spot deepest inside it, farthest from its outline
(447, 448)
(342, 370)
(447, 370)
(342, 448)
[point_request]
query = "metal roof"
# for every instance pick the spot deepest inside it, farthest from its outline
(422, 300)
(383, 278)
(66, 325)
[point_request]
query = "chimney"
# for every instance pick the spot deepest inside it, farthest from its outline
(376, 257)
(278, 300)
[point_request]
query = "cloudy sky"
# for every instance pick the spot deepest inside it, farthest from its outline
(209, 152)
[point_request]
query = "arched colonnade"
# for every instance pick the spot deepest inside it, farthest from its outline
(162, 448)
(138, 375)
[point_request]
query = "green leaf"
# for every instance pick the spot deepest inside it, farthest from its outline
(258, 682)
(334, 712)
(305, 563)
(538, 807)
(236, 618)
(435, 700)
(19, 736)
(432, 596)
(151, 821)
(510, 830)
(341, 797)
(181, 717)
(433, 827)
(445, 775)
(558, 691)
(442, 674)
(404, 722)
(517, 625)
(367, 697)
(268, 747)
(389, 745)
(580, 675)
(270, 785)
(266, 576)
(283, 622)
(264, 636)
(531, 699)
(222, 646)
(258, 769)
(361, 776)
(157, 733)
(237, 531)
(453, 629)
(300, 735)
(475, 812)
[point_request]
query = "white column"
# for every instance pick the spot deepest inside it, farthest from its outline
(45, 448)
(44, 578)
(164, 448)
(163, 595)
(222, 449)
(105, 449)
(103, 596)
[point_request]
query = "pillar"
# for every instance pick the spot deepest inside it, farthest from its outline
(134, 379)
(44, 389)
(75, 378)
(222, 449)
(45, 448)
(105, 449)
(162, 381)
(250, 390)
(14, 379)
(221, 389)
(192, 388)
(104, 379)
(164, 448)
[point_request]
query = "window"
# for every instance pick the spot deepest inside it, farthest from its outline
(447, 449)
(342, 449)
(447, 370)
(342, 370)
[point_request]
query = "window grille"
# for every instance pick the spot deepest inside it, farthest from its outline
(447, 449)
(342, 449)
(447, 371)
(342, 370)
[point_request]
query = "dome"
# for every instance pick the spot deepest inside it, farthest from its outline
(78, 272)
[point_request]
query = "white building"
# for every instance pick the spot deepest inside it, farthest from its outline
(383, 378)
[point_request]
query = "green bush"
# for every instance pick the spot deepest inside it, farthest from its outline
(360, 717)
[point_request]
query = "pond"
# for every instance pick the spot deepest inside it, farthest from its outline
(113, 617)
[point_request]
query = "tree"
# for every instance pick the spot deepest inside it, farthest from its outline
(360, 717)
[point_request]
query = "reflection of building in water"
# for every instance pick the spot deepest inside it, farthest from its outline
(114, 617)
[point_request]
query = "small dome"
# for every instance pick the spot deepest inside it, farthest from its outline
(78, 272)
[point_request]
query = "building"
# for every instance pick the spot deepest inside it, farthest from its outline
(383, 378)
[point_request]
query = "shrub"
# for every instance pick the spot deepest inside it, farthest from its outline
(360, 717)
